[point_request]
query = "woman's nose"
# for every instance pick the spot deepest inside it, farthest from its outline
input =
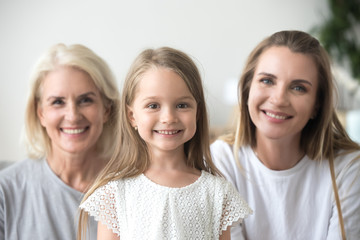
(72, 112)
(279, 96)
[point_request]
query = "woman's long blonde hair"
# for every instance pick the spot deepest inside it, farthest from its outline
(323, 136)
(131, 156)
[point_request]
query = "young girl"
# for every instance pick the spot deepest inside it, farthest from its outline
(290, 156)
(162, 183)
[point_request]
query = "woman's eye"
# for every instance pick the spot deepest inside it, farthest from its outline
(86, 100)
(182, 105)
(266, 81)
(299, 89)
(57, 102)
(152, 106)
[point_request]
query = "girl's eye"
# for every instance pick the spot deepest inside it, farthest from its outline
(153, 106)
(182, 105)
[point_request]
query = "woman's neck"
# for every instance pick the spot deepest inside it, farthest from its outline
(77, 171)
(279, 154)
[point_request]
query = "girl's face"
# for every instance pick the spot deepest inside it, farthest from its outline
(71, 110)
(282, 95)
(164, 111)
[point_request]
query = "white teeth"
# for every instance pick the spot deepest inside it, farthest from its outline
(73, 131)
(167, 132)
(275, 116)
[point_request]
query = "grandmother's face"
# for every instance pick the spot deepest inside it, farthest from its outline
(72, 111)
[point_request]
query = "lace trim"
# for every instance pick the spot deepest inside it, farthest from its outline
(102, 206)
(233, 211)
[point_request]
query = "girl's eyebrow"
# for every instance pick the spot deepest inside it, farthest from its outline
(187, 98)
(157, 98)
(294, 81)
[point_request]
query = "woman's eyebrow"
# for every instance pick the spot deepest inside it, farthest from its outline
(302, 81)
(267, 74)
(87, 94)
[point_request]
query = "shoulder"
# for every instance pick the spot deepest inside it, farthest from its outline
(15, 178)
(20, 170)
(220, 185)
(221, 152)
(220, 145)
(218, 180)
(111, 189)
(222, 148)
(224, 159)
(347, 163)
(227, 201)
(346, 159)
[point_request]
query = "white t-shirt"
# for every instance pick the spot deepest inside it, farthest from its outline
(137, 208)
(297, 203)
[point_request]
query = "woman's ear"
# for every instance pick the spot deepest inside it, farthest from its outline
(40, 114)
(107, 112)
(315, 112)
(130, 115)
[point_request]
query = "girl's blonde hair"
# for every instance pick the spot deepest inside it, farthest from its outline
(323, 136)
(131, 156)
(84, 59)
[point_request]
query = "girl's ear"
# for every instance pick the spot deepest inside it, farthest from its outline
(130, 115)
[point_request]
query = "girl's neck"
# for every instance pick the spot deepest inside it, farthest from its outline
(77, 171)
(171, 170)
(175, 159)
(279, 155)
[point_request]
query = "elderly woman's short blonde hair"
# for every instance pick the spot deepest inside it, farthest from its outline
(80, 57)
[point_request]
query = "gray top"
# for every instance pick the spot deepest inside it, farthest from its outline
(36, 204)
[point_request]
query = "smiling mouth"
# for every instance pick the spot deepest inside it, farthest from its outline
(166, 132)
(280, 117)
(74, 131)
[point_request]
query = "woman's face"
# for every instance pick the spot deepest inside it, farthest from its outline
(282, 95)
(72, 111)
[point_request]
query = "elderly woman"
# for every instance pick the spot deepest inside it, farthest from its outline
(71, 115)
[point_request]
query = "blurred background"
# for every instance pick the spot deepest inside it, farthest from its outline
(217, 34)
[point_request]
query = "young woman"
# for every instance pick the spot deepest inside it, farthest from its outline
(162, 183)
(70, 116)
(290, 157)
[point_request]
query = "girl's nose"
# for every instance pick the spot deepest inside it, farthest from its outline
(168, 116)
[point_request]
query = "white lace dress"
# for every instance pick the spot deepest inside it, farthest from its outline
(137, 208)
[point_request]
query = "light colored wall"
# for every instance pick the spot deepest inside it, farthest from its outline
(219, 34)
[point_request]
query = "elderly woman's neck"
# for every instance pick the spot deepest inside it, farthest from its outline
(77, 171)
